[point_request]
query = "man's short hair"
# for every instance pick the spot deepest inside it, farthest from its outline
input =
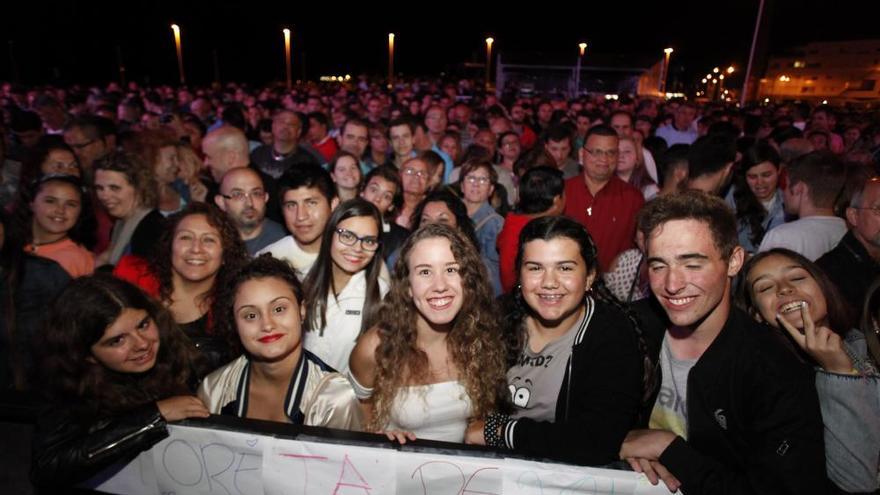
(538, 187)
(822, 172)
(692, 205)
(320, 118)
(308, 176)
(93, 126)
(557, 133)
(357, 122)
(402, 121)
(709, 154)
(604, 130)
(621, 112)
(675, 157)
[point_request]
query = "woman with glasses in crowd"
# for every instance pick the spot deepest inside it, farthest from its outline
(344, 288)
(478, 181)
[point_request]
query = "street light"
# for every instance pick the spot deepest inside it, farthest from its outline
(390, 60)
(577, 78)
(730, 70)
(489, 42)
(668, 52)
(287, 61)
(176, 29)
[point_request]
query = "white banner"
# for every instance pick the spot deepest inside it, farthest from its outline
(203, 460)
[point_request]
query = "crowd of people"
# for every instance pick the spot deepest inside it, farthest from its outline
(688, 290)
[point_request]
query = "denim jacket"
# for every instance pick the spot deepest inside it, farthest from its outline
(488, 224)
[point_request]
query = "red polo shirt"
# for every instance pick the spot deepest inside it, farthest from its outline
(609, 216)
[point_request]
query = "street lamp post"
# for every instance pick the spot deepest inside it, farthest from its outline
(489, 42)
(287, 61)
(667, 52)
(390, 60)
(577, 78)
(176, 29)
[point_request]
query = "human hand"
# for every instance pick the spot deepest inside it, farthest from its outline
(182, 407)
(822, 344)
(646, 444)
(655, 472)
(197, 191)
(400, 436)
(473, 435)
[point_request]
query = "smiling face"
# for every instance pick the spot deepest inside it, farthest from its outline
(351, 259)
(689, 275)
(130, 344)
(599, 157)
(115, 193)
(554, 279)
(779, 285)
(763, 179)
(197, 249)
(346, 174)
(435, 284)
(56, 210)
(267, 316)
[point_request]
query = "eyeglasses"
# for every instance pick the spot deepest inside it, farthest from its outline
(349, 238)
(473, 179)
(418, 173)
(241, 195)
(874, 209)
(80, 146)
(597, 153)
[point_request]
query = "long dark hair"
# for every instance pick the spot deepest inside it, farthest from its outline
(840, 313)
(455, 205)
(234, 251)
(82, 232)
(319, 282)
(870, 321)
(77, 320)
(515, 308)
(749, 210)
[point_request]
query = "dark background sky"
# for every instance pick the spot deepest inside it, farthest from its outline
(76, 41)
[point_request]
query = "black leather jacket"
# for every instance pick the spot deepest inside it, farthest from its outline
(68, 450)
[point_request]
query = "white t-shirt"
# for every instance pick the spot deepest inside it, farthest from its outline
(342, 323)
(288, 250)
(809, 236)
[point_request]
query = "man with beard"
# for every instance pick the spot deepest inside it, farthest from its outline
(243, 197)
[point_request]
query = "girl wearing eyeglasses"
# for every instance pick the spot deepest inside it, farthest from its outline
(344, 287)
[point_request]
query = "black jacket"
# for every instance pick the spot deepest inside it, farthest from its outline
(754, 424)
(598, 399)
(68, 450)
(851, 269)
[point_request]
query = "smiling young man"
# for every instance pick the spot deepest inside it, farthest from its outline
(307, 196)
(735, 411)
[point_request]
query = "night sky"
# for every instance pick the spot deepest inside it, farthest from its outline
(77, 41)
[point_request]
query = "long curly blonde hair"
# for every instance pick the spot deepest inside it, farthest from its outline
(474, 343)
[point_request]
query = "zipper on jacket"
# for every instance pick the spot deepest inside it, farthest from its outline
(111, 445)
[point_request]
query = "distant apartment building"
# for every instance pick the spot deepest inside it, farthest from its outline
(839, 71)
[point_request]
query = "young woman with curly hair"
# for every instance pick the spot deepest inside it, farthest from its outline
(197, 253)
(577, 363)
(115, 369)
(274, 378)
(435, 360)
